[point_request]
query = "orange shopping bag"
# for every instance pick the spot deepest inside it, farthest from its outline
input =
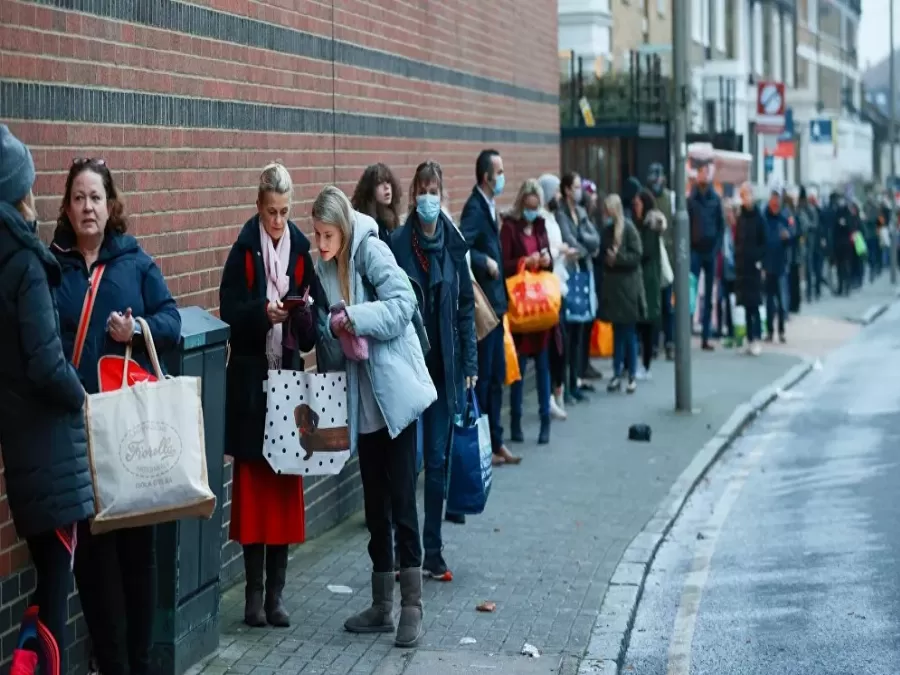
(534, 300)
(512, 359)
(601, 340)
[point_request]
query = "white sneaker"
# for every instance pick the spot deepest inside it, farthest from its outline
(557, 411)
(755, 349)
(643, 374)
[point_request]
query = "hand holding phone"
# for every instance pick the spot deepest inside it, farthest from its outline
(292, 302)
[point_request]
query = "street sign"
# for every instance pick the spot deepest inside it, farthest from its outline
(770, 108)
(769, 164)
(821, 131)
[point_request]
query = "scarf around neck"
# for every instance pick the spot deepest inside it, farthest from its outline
(429, 250)
(276, 259)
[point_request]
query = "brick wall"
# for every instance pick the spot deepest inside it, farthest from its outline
(187, 101)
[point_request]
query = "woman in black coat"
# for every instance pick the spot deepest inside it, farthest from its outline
(269, 261)
(749, 251)
(42, 432)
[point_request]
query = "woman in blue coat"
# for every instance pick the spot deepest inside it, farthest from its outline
(97, 255)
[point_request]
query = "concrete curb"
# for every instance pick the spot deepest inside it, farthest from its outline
(609, 639)
(873, 313)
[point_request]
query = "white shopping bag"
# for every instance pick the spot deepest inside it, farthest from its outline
(306, 423)
(147, 451)
(738, 319)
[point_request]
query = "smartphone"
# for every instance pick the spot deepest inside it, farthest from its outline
(292, 302)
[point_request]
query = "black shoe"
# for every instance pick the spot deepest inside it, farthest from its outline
(670, 352)
(782, 339)
(458, 518)
(588, 387)
(515, 431)
(579, 396)
(435, 567)
(614, 385)
(544, 435)
(591, 373)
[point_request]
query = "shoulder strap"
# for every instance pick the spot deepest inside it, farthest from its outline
(87, 309)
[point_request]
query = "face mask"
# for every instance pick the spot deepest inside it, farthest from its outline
(428, 207)
(530, 215)
(577, 195)
(499, 184)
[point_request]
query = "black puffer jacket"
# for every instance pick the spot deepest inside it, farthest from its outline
(42, 432)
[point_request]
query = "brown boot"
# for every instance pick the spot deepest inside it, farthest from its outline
(379, 617)
(409, 628)
(276, 576)
(254, 562)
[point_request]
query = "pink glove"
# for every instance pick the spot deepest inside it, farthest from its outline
(355, 347)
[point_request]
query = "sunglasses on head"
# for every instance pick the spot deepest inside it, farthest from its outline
(82, 161)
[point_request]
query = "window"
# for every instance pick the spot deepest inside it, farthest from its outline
(812, 14)
(790, 55)
(661, 7)
(731, 34)
(697, 20)
(802, 73)
(759, 40)
(720, 24)
(704, 23)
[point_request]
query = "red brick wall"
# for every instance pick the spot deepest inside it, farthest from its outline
(187, 101)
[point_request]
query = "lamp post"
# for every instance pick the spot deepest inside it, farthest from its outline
(892, 229)
(680, 37)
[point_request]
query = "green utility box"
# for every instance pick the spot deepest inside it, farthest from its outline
(189, 552)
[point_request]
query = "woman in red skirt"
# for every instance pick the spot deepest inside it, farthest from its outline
(269, 261)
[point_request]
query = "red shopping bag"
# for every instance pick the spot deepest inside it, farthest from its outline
(112, 374)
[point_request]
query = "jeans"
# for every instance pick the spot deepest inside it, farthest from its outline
(437, 438)
(491, 381)
(388, 471)
(119, 616)
(726, 320)
(647, 333)
(542, 363)
(707, 265)
(668, 316)
(624, 349)
(813, 273)
(775, 303)
(52, 561)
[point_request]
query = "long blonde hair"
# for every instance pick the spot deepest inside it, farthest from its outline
(332, 207)
(613, 205)
(528, 188)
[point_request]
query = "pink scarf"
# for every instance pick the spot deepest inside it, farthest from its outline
(276, 260)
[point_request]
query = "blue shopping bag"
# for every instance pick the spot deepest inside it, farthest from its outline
(471, 471)
(581, 300)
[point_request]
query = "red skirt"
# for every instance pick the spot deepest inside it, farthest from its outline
(266, 508)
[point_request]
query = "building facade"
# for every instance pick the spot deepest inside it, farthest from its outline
(187, 101)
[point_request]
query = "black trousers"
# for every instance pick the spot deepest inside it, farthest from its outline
(647, 332)
(51, 555)
(388, 470)
(577, 336)
(116, 576)
(557, 356)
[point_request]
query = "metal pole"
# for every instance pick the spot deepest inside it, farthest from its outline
(893, 224)
(680, 68)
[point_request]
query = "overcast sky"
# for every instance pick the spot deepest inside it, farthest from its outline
(874, 31)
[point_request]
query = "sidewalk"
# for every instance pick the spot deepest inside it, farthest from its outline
(547, 545)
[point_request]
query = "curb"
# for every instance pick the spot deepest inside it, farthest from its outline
(872, 313)
(612, 630)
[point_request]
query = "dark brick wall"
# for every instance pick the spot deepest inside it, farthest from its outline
(186, 101)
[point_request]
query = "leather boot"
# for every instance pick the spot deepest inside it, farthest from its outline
(276, 574)
(544, 435)
(409, 629)
(515, 429)
(379, 617)
(254, 562)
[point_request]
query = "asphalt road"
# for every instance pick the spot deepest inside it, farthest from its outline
(787, 559)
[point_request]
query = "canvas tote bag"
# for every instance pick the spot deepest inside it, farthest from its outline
(147, 451)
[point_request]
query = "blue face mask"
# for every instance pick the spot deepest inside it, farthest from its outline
(428, 207)
(499, 184)
(530, 215)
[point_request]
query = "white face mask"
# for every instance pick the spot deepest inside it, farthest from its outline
(576, 195)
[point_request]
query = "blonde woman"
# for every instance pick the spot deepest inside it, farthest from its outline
(623, 290)
(523, 240)
(269, 261)
(368, 297)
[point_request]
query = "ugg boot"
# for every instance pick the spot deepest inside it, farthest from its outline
(379, 617)
(276, 574)
(409, 629)
(254, 562)
(544, 435)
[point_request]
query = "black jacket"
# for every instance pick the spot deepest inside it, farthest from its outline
(482, 233)
(42, 432)
(242, 305)
(456, 306)
(749, 253)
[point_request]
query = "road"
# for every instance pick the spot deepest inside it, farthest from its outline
(787, 558)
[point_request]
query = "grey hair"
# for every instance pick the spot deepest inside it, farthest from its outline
(275, 178)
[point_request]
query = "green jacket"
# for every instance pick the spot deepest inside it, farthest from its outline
(623, 282)
(651, 228)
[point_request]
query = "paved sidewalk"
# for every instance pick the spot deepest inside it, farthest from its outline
(544, 551)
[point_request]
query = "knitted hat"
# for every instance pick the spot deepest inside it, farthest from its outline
(16, 168)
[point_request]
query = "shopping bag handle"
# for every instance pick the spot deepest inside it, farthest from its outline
(151, 352)
(472, 410)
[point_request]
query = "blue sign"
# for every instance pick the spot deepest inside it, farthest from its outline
(769, 164)
(788, 132)
(821, 131)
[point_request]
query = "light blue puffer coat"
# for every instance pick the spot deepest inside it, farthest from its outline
(400, 380)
